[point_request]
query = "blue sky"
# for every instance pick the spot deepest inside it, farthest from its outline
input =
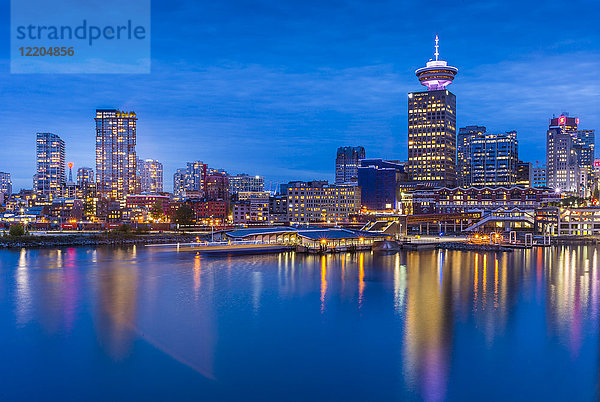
(273, 88)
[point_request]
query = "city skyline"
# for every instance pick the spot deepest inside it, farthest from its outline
(224, 109)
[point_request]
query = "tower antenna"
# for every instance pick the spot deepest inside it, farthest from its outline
(437, 47)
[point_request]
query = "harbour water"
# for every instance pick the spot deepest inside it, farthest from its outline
(140, 323)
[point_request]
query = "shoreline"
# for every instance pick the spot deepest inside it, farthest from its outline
(81, 240)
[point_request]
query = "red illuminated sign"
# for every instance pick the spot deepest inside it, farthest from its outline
(562, 120)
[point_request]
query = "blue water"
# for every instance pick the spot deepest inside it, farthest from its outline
(143, 323)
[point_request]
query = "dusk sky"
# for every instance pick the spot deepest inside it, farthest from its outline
(273, 88)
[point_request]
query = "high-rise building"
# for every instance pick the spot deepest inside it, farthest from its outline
(150, 172)
(490, 159)
(179, 182)
(524, 174)
(432, 125)
(195, 178)
(584, 144)
(115, 153)
(347, 163)
(539, 175)
(5, 184)
(570, 155)
(564, 123)
(50, 175)
(191, 181)
(243, 182)
(463, 153)
(85, 175)
(561, 159)
(378, 181)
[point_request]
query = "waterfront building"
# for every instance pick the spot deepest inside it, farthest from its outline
(5, 184)
(115, 153)
(379, 184)
(432, 125)
(579, 221)
(319, 201)
(65, 209)
(524, 174)
(484, 199)
(278, 208)
(144, 205)
(50, 165)
(347, 163)
(463, 153)
(209, 212)
(539, 175)
(108, 211)
(244, 182)
(487, 159)
(150, 172)
(251, 207)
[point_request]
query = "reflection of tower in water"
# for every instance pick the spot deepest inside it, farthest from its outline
(572, 292)
(428, 324)
(117, 298)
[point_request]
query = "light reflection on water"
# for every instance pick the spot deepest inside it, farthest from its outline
(417, 325)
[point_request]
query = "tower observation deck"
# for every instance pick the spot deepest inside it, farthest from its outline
(437, 74)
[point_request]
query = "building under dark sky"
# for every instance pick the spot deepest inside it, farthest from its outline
(432, 125)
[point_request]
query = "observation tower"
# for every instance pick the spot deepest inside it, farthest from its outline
(437, 74)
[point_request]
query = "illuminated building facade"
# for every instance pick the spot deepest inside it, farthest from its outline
(347, 162)
(65, 209)
(50, 163)
(244, 182)
(179, 182)
(539, 175)
(150, 172)
(209, 212)
(489, 159)
(115, 153)
(579, 221)
(252, 207)
(5, 184)
(85, 176)
(432, 125)
(584, 144)
(463, 153)
(524, 174)
(191, 181)
(570, 156)
(278, 208)
(561, 159)
(564, 123)
(217, 186)
(486, 199)
(318, 201)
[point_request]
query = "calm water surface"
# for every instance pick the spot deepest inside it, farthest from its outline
(146, 324)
